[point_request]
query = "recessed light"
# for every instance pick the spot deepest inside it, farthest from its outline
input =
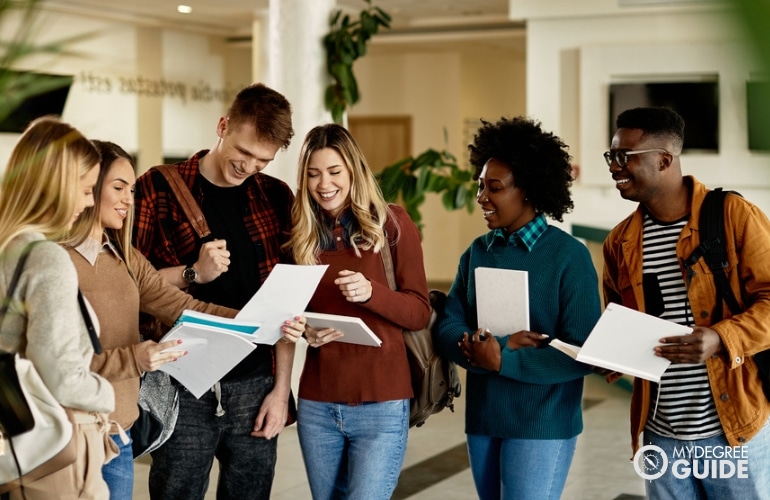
(183, 9)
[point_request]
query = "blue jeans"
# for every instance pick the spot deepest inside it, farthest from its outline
(353, 452)
(180, 468)
(520, 469)
(119, 472)
(680, 481)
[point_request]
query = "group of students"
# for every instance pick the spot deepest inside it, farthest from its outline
(128, 245)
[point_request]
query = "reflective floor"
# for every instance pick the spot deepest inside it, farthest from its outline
(436, 464)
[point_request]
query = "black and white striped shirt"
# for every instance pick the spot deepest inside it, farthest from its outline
(682, 406)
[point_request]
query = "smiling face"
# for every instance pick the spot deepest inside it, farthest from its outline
(117, 196)
(640, 179)
(503, 205)
(85, 193)
(328, 180)
(239, 154)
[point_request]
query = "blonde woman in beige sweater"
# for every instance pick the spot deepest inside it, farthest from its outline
(47, 183)
(120, 283)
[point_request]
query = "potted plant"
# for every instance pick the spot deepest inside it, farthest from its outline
(346, 42)
(408, 181)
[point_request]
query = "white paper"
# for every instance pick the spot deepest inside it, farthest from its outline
(623, 340)
(285, 293)
(354, 330)
(211, 354)
(502, 300)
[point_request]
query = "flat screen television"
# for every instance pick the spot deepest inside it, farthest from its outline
(758, 114)
(696, 101)
(53, 92)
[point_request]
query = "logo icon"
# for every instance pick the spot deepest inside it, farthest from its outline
(650, 462)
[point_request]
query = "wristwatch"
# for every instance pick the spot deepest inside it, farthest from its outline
(189, 275)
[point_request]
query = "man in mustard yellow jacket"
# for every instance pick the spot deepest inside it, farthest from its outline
(705, 425)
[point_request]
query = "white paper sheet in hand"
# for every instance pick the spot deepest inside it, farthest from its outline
(285, 293)
(502, 300)
(623, 340)
(211, 353)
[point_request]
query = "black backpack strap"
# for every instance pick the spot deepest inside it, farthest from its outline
(713, 249)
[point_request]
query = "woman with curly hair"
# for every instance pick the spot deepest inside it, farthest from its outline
(353, 410)
(523, 412)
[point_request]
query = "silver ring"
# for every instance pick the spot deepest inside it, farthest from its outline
(355, 291)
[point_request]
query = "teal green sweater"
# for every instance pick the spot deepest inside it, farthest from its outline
(537, 394)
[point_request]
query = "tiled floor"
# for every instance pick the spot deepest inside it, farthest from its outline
(436, 465)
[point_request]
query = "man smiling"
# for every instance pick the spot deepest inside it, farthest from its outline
(247, 212)
(710, 396)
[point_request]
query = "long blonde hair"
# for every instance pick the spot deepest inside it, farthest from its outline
(39, 189)
(91, 216)
(366, 201)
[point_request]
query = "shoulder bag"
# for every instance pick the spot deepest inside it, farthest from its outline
(435, 381)
(35, 430)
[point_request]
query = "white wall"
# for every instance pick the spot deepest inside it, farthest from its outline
(576, 49)
(441, 86)
(179, 82)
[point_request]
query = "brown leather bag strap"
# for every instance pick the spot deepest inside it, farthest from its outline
(387, 262)
(189, 206)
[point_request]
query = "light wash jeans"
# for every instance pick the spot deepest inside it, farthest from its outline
(669, 486)
(521, 469)
(118, 473)
(353, 452)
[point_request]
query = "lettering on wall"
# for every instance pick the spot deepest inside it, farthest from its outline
(155, 87)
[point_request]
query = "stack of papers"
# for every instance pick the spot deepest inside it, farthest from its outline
(216, 345)
(623, 341)
(212, 351)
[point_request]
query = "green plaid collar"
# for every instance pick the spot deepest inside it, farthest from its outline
(527, 236)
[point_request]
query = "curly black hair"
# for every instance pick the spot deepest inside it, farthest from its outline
(538, 160)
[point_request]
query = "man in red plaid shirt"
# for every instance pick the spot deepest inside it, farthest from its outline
(248, 213)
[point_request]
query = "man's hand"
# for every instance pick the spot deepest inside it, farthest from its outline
(272, 416)
(213, 260)
(696, 347)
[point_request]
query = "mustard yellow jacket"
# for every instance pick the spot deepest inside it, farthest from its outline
(741, 405)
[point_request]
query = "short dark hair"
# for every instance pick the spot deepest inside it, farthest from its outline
(538, 160)
(268, 110)
(654, 121)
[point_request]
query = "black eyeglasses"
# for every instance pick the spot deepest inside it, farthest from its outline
(621, 156)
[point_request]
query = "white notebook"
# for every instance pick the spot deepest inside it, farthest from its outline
(502, 300)
(354, 329)
(623, 341)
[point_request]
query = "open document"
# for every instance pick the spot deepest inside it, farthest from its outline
(623, 341)
(285, 293)
(211, 353)
(502, 300)
(354, 329)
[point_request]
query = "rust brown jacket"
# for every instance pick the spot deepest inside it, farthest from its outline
(741, 405)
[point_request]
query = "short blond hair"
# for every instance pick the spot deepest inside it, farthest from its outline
(40, 186)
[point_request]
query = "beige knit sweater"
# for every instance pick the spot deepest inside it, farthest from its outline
(117, 299)
(45, 325)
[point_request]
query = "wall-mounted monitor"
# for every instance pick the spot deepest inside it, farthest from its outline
(51, 93)
(758, 114)
(696, 101)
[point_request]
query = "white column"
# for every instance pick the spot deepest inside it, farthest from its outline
(296, 67)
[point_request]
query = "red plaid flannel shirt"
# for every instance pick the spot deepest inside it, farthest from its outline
(165, 236)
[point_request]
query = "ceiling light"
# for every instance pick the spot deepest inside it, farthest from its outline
(183, 9)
